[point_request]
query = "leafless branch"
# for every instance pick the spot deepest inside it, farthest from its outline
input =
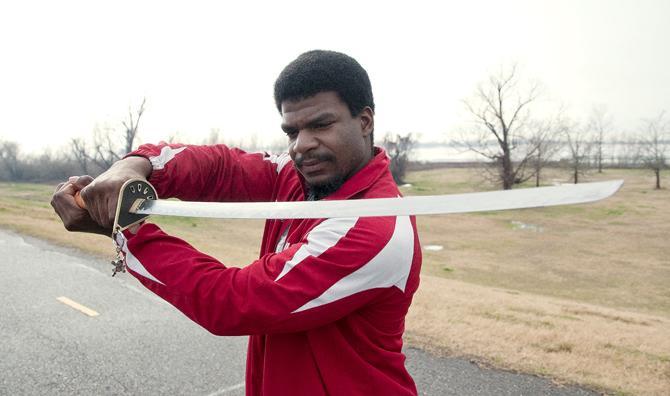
(500, 108)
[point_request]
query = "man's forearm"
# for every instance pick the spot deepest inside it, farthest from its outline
(210, 173)
(135, 164)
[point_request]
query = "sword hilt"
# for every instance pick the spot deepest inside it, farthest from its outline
(132, 192)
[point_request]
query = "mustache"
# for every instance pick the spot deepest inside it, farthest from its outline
(299, 159)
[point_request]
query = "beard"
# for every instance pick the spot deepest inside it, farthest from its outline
(316, 192)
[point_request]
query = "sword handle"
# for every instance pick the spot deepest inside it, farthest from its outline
(80, 202)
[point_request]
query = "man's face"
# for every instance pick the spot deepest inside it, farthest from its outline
(326, 143)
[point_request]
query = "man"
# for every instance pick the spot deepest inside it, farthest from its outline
(325, 303)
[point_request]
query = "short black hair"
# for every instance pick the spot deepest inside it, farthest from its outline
(319, 71)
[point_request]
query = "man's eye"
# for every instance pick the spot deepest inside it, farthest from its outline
(323, 125)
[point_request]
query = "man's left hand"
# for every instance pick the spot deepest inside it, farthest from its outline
(74, 217)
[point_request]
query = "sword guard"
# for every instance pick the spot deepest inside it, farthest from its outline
(133, 192)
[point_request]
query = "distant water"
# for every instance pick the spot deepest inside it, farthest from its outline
(443, 153)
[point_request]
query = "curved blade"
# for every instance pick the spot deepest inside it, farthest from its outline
(416, 205)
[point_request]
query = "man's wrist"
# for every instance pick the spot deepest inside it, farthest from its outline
(139, 165)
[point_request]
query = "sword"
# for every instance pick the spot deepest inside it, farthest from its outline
(138, 200)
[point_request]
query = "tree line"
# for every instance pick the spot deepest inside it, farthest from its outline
(516, 143)
(505, 130)
(94, 154)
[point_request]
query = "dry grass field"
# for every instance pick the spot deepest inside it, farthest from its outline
(580, 293)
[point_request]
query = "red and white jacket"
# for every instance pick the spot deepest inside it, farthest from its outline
(325, 302)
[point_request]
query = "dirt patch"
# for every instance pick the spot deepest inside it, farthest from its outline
(571, 342)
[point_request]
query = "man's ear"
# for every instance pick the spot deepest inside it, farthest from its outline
(367, 118)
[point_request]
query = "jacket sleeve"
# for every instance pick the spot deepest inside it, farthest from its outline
(341, 265)
(211, 173)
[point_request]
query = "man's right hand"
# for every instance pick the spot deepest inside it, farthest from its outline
(100, 196)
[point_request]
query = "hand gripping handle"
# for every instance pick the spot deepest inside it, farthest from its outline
(133, 192)
(79, 201)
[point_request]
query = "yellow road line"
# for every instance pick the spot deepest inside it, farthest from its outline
(77, 306)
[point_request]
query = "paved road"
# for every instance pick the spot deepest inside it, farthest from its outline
(139, 344)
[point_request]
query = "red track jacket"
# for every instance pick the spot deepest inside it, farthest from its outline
(324, 304)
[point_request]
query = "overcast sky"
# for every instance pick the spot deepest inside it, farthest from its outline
(67, 65)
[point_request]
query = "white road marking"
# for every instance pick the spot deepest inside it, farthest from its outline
(227, 389)
(78, 307)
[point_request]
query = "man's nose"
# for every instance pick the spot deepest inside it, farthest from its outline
(305, 141)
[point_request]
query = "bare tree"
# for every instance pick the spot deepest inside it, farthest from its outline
(130, 133)
(398, 148)
(544, 140)
(500, 108)
(106, 146)
(9, 155)
(653, 145)
(580, 147)
(47, 166)
(625, 153)
(600, 124)
(105, 149)
(80, 154)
